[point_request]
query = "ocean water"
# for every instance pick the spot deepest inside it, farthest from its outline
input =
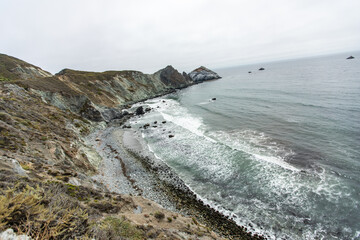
(278, 150)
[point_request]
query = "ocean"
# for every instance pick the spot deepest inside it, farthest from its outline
(278, 150)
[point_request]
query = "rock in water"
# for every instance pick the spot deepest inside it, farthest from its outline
(140, 110)
(261, 69)
(202, 74)
(213, 99)
(351, 57)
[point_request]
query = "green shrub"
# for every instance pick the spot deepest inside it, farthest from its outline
(159, 215)
(116, 228)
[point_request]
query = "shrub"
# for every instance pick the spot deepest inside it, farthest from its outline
(159, 215)
(116, 228)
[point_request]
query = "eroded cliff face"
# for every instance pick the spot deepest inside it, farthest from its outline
(101, 96)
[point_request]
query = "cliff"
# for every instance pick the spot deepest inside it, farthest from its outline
(101, 96)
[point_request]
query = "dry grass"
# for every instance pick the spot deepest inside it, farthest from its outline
(116, 228)
(42, 213)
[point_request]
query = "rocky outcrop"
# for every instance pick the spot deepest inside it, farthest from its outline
(261, 69)
(351, 57)
(171, 77)
(203, 74)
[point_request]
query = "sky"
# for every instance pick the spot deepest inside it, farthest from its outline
(147, 35)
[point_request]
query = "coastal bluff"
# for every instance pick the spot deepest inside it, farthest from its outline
(50, 175)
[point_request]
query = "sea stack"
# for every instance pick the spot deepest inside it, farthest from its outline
(203, 74)
(351, 57)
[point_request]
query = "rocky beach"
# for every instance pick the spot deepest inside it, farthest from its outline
(73, 167)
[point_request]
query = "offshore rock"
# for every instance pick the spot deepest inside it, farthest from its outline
(203, 74)
(351, 57)
(261, 69)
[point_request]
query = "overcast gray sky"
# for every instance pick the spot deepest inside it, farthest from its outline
(147, 35)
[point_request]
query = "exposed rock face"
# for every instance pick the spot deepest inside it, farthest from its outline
(202, 74)
(108, 92)
(351, 57)
(171, 77)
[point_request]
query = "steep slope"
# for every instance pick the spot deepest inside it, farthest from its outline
(47, 190)
(13, 69)
(47, 167)
(46, 185)
(100, 96)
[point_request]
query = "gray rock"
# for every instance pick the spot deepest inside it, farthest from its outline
(171, 77)
(9, 234)
(112, 113)
(351, 57)
(89, 111)
(203, 74)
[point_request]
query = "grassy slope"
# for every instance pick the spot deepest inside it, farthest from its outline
(8, 64)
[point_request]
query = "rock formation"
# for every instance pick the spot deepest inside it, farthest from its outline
(202, 74)
(351, 57)
(104, 93)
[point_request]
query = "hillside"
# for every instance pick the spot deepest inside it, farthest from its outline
(52, 180)
(12, 68)
(100, 96)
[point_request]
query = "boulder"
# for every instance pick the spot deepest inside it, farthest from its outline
(213, 99)
(139, 111)
(351, 57)
(89, 111)
(112, 113)
(261, 69)
(171, 136)
(203, 74)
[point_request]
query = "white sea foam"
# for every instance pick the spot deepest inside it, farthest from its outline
(266, 167)
(255, 144)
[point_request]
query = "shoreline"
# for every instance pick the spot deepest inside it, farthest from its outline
(151, 178)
